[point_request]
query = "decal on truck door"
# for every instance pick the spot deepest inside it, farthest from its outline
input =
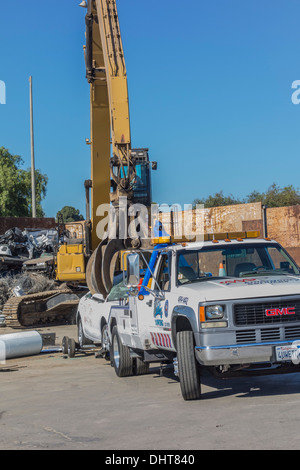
(158, 312)
(166, 308)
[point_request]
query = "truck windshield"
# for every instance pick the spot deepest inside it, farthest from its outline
(233, 261)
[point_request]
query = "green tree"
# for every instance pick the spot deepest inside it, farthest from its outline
(15, 187)
(69, 214)
(275, 196)
(218, 199)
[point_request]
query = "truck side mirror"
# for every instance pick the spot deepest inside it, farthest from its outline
(133, 270)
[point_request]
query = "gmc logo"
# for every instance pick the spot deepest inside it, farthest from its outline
(276, 312)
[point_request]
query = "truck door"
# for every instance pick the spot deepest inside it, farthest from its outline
(149, 314)
(161, 289)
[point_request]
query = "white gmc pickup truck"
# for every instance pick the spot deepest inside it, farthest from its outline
(230, 305)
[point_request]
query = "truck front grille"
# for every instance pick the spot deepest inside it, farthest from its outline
(264, 335)
(246, 336)
(255, 313)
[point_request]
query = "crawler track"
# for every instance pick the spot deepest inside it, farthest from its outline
(40, 309)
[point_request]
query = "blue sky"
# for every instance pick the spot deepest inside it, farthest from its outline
(209, 93)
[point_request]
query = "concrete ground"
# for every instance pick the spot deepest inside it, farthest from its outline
(50, 401)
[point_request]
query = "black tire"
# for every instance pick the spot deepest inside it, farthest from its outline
(65, 344)
(120, 356)
(140, 367)
(82, 340)
(189, 375)
(105, 341)
(71, 347)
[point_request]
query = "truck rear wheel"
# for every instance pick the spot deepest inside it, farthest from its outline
(188, 369)
(120, 356)
(140, 367)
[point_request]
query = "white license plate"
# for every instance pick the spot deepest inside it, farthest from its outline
(287, 353)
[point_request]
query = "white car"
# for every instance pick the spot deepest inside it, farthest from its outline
(93, 312)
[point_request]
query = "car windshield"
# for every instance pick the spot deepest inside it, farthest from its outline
(119, 291)
(233, 261)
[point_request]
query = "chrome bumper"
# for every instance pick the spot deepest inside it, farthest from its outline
(239, 353)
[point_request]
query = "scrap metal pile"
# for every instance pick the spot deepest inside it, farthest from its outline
(29, 294)
(23, 284)
(18, 248)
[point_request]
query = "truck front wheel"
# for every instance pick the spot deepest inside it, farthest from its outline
(188, 369)
(120, 356)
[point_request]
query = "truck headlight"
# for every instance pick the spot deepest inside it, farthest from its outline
(214, 312)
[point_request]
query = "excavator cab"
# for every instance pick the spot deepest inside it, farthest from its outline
(142, 192)
(138, 182)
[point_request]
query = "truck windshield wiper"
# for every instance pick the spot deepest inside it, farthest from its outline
(285, 272)
(260, 272)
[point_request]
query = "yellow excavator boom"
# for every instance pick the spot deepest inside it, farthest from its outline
(115, 73)
(114, 165)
